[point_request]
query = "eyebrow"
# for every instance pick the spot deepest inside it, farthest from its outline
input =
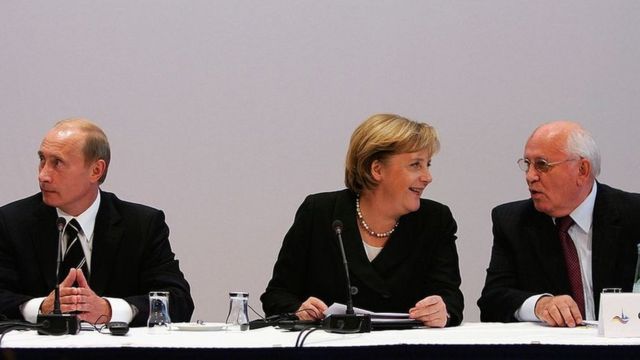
(50, 155)
(420, 158)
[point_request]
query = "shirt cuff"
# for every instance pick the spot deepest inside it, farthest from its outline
(31, 309)
(527, 311)
(120, 310)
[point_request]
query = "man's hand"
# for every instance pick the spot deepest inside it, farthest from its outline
(92, 307)
(432, 311)
(558, 311)
(66, 290)
(312, 309)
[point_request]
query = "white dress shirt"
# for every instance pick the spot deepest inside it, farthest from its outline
(581, 233)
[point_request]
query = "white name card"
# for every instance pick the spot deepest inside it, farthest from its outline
(619, 315)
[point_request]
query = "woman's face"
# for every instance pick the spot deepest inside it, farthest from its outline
(401, 180)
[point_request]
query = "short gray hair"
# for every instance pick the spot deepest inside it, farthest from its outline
(581, 143)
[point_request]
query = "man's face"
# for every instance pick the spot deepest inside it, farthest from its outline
(66, 181)
(556, 192)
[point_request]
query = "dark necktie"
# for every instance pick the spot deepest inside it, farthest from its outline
(73, 256)
(572, 262)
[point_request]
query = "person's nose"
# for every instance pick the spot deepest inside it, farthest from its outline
(43, 174)
(425, 176)
(531, 175)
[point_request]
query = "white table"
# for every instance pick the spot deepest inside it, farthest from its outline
(469, 335)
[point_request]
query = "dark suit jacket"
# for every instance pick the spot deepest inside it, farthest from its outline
(419, 260)
(527, 257)
(131, 256)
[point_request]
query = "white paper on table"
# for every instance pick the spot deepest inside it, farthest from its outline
(337, 308)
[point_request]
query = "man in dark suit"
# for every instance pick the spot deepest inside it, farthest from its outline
(124, 247)
(554, 253)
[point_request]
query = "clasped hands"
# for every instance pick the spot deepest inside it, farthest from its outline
(431, 310)
(559, 310)
(90, 307)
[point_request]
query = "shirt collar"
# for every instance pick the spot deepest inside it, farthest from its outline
(583, 214)
(87, 219)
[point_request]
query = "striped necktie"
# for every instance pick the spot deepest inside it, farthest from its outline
(73, 256)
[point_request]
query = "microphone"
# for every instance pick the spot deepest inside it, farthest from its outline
(337, 228)
(60, 223)
(58, 323)
(350, 322)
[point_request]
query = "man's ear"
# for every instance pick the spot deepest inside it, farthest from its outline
(584, 171)
(98, 169)
(585, 167)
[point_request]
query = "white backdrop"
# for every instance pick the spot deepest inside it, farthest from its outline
(226, 114)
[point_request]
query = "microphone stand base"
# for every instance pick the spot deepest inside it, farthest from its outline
(59, 324)
(347, 323)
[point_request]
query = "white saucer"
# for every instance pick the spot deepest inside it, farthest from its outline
(199, 326)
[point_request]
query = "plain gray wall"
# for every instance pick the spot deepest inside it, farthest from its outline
(226, 114)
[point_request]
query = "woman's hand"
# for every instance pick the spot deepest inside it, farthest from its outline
(312, 309)
(431, 310)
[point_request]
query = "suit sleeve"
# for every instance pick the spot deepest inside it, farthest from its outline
(10, 282)
(444, 276)
(160, 271)
(284, 293)
(501, 296)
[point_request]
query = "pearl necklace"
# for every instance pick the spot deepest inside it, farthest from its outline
(366, 226)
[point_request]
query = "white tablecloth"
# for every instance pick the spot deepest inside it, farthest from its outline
(468, 333)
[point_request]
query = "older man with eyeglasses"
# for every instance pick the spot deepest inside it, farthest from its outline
(554, 253)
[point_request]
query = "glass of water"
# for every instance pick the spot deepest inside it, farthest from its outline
(159, 320)
(238, 318)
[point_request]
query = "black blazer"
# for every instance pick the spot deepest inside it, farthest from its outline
(419, 260)
(131, 256)
(527, 259)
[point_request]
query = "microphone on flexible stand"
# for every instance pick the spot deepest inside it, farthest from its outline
(350, 322)
(58, 323)
(337, 227)
(60, 223)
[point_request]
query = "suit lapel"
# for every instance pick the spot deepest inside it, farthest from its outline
(544, 236)
(359, 264)
(44, 237)
(397, 249)
(107, 234)
(604, 241)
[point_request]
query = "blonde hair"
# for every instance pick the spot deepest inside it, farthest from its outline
(96, 145)
(379, 137)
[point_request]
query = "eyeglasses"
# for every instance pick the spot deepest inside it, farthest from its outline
(541, 165)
